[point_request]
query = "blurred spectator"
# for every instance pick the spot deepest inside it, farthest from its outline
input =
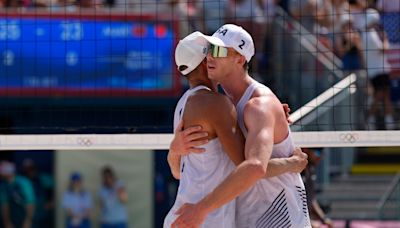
(177, 9)
(86, 4)
(378, 68)
(340, 8)
(40, 3)
(64, 5)
(388, 6)
(12, 3)
(317, 215)
(390, 18)
(113, 197)
(357, 10)
(305, 11)
(109, 3)
(43, 189)
(348, 45)
(118, 4)
(192, 13)
(266, 62)
(323, 15)
(16, 198)
(213, 14)
(391, 23)
(268, 9)
(77, 203)
(249, 15)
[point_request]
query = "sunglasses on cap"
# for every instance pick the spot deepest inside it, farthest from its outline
(218, 51)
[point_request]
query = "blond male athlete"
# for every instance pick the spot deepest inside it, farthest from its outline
(279, 201)
(200, 173)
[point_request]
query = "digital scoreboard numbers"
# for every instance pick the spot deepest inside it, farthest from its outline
(78, 56)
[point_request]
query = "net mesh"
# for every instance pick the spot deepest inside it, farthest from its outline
(93, 81)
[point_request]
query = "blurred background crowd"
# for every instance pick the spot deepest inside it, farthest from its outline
(359, 35)
(363, 34)
(27, 198)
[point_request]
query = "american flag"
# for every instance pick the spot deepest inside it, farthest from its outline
(391, 24)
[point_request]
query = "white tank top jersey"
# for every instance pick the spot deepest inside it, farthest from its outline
(276, 202)
(200, 174)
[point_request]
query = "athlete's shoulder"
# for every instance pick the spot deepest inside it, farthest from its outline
(263, 101)
(211, 100)
(210, 107)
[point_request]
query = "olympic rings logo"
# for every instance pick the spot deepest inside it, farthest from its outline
(348, 137)
(84, 141)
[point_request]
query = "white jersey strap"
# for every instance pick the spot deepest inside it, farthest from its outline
(242, 103)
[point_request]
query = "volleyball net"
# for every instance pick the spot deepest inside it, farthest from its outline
(97, 84)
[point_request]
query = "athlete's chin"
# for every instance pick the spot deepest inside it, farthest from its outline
(211, 76)
(210, 73)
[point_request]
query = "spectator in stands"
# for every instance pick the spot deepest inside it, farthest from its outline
(249, 15)
(317, 215)
(113, 197)
(324, 16)
(391, 22)
(13, 3)
(390, 14)
(339, 9)
(87, 4)
(357, 10)
(266, 62)
(109, 3)
(17, 198)
(64, 6)
(40, 3)
(188, 14)
(77, 203)
(43, 189)
(348, 45)
(305, 11)
(212, 14)
(388, 6)
(116, 4)
(378, 68)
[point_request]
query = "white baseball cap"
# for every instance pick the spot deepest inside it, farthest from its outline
(190, 52)
(233, 36)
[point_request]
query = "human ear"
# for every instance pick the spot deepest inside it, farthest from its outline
(240, 60)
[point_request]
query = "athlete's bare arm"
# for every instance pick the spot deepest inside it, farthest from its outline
(260, 123)
(217, 116)
(208, 115)
(185, 141)
(296, 164)
(190, 139)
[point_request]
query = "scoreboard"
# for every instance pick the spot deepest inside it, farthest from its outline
(86, 55)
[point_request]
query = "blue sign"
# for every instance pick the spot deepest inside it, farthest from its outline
(80, 54)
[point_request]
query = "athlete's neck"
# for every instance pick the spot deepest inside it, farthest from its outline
(235, 89)
(197, 82)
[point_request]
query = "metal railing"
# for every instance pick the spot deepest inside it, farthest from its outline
(303, 65)
(310, 42)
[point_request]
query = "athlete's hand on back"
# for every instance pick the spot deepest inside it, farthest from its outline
(189, 215)
(286, 109)
(299, 160)
(187, 140)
